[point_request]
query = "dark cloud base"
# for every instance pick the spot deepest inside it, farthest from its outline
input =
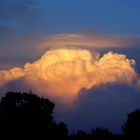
(104, 106)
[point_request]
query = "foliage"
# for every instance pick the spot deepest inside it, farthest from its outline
(29, 116)
(131, 127)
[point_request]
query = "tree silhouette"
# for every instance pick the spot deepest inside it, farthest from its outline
(28, 116)
(101, 134)
(61, 131)
(81, 135)
(131, 127)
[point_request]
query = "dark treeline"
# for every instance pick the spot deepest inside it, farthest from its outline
(27, 116)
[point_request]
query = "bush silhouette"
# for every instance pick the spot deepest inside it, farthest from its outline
(131, 127)
(28, 116)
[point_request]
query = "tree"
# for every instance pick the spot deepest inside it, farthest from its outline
(61, 130)
(131, 127)
(101, 134)
(28, 116)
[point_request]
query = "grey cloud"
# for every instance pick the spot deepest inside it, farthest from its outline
(5, 29)
(18, 15)
(104, 106)
(20, 26)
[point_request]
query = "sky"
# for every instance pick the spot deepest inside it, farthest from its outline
(74, 52)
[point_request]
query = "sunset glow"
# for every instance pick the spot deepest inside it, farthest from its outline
(62, 73)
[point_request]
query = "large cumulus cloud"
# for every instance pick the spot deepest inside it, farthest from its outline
(62, 73)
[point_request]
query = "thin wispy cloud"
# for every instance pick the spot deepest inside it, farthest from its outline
(95, 41)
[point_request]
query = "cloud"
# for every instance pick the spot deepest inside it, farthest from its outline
(95, 41)
(17, 10)
(5, 29)
(10, 75)
(20, 49)
(17, 17)
(62, 73)
(21, 26)
(106, 106)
